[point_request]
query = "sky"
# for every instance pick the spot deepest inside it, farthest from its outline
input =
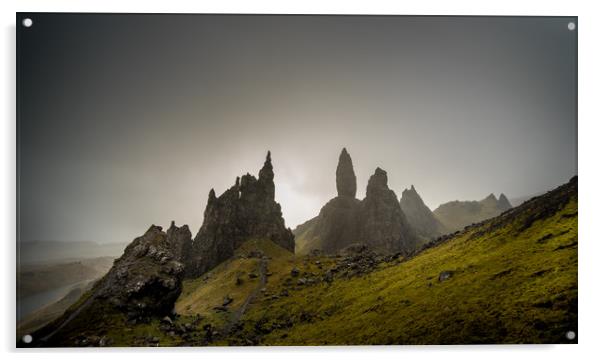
(129, 120)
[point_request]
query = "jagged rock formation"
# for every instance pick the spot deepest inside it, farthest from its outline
(503, 202)
(456, 215)
(245, 211)
(147, 278)
(384, 226)
(144, 282)
(346, 182)
(377, 221)
(420, 217)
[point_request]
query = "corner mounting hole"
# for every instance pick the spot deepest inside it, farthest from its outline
(27, 338)
(571, 26)
(570, 335)
(27, 22)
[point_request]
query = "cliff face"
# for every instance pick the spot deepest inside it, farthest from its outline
(245, 211)
(420, 217)
(377, 221)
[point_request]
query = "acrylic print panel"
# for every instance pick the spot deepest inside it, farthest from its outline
(216, 180)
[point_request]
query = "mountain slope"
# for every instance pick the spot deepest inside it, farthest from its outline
(51, 312)
(512, 279)
(456, 215)
(34, 279)
(419, 215)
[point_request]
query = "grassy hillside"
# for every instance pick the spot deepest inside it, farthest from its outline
(511, 279)
(235, 279)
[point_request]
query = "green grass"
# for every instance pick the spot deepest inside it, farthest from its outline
(507, 288)
(511, 283)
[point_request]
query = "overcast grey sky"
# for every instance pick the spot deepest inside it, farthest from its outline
(131, 120)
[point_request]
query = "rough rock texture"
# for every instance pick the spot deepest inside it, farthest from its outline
(456, 215)
(384, 226)
(420, 217)
(147, 278)
(346, 182)
(245, 211)
(377, 221)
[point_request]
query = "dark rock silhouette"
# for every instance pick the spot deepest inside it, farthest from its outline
(384, 226)
(377, 221)
(144, 282)
(503, 203)
(336, 227)
(346, 182)
(420, 217)
(245, 211)
(147, 278)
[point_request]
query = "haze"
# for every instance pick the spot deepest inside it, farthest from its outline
(125, 121)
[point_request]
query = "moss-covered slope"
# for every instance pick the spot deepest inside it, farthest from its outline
(512, 279)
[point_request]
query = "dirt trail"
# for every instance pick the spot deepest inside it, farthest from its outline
(236, 316)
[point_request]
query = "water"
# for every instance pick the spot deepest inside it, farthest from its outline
(29, 304)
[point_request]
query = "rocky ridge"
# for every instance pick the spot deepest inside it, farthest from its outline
(456, 215)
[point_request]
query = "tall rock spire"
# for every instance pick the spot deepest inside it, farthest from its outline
(377, 221)
(266, 176)
(346, 182)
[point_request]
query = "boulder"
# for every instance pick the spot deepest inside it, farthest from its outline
(445, 275)
(295, 272)
(147, 278)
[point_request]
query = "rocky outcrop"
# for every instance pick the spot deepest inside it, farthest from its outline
(245, 211)
(345, 176)
(384, 226)
(147, 278)
(420, 217)
(456, 215)
(336, 227)
(377, 221)
(503, 203)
